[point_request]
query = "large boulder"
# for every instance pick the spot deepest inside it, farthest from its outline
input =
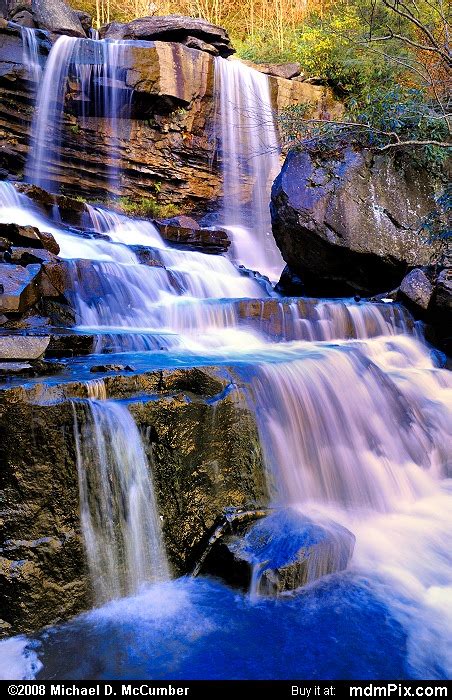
(57, 17)
(281, 552)
(192, 31)
(347, 221)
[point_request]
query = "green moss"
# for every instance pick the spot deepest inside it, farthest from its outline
(146, 207)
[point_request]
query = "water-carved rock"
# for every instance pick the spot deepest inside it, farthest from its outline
(203, 450)
(280, 552)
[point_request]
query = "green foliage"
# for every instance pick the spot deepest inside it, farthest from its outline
(405, 112)
(146, 208)
(374, 118)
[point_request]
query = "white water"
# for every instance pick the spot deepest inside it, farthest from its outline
(119, 517)
(97, 68)
(31, 53)
(17, 660)
(46, 133)
(250, 152)
(362, 433)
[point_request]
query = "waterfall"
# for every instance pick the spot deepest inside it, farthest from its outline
(327, 424)
(118, 510)
(97, 67)
(43, 159)
(250, 159)
(31, 53)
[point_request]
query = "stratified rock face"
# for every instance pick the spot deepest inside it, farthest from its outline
(58, 17)
(165, 150)
(349, 221)
(203, 449)
(193, 32)
(281, 552)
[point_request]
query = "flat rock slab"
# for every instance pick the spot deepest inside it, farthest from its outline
(22, 347)
(177, 28)
(11, 368)
(20, 287)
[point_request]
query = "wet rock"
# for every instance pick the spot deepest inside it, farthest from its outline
(58, 312)
(147, 256)
(30, 321)
(29, 237)
(416, 289)
(278, 553)
(20, 287)
(443, 292)
(72, 211)
(57, 17)
(439, 313)
(204, 449)
(209, 241)
(180, 222)
(112, 368)
(70, 344)
(172, 28)
(347, 222)
(22, 347)
(9, 369)
(290, 284)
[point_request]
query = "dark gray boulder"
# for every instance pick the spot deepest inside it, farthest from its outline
(57, 17)
(85, 20)
(190, 31)
(348, 221)
(417, 289)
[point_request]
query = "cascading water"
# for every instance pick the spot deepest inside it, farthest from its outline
(98, 70)
(31, 53)
(118, 510)
(355, 420)
(249, 151)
